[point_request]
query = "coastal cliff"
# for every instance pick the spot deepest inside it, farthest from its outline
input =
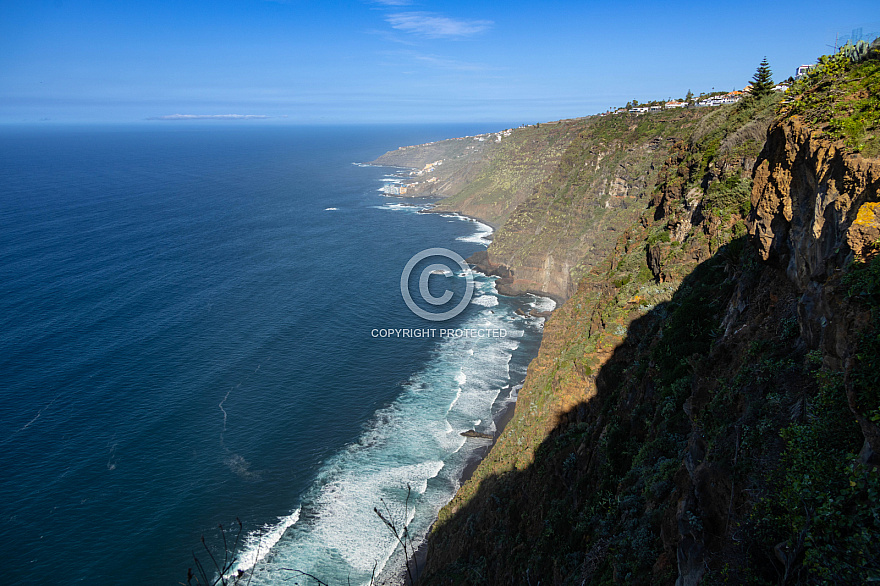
(704, 407)
(600, 187)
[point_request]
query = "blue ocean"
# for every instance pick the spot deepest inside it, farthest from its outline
(188, 319)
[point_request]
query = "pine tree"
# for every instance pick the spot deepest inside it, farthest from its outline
(689, 97)
(762, 82)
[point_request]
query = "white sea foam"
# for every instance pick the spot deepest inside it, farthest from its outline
(542, 303)
(415, 442)
(341, 506)
(330, 209)
(480, 236)
(258, 543)
(454, 401)
(400, 207)
(485, 300)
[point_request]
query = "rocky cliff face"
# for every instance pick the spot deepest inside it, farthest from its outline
(815, 211)
(573, 219)
(562, 192)
(704, 407)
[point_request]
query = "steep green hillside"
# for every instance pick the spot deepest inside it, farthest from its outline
(603, 184)
(488, 178)
(517, 166)
(705, 406)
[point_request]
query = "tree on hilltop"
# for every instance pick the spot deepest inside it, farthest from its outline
(762, 82)
(689, 97)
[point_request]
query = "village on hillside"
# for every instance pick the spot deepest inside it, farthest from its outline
(395, 188)
(705, 100)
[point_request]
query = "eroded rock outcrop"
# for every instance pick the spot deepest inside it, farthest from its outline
(814, 205)
(815, 210)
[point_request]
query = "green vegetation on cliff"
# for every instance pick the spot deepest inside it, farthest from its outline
(705, 407)
(598, 189)
(517, 165)
(840, 97)
(487, 176)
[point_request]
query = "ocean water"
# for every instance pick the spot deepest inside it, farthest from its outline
(187, 338)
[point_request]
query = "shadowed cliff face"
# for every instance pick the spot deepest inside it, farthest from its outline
(704, 407)
(815, 212)
(607, 473)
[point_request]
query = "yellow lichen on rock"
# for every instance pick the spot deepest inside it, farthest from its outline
(865, 230)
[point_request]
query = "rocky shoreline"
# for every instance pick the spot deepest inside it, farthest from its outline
(419, 558)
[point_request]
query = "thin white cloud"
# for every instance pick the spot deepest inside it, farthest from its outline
(391, 37)
(443, 63)
(436, 26)
(210, 117)
(426, 61)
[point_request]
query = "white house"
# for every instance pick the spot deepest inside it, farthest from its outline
(803, 69)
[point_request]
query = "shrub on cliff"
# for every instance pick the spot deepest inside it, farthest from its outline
(840, 97)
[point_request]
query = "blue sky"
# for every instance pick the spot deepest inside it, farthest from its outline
(379, 61)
